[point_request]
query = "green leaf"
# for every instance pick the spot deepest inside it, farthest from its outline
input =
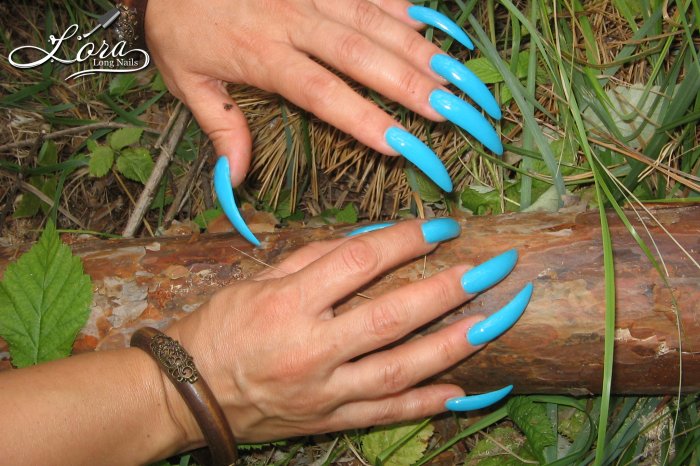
(485, 70)
(284, 205)
(347, 215)
(136, 164)
(44, 301)
(481, 200)
(379, 439)
(121, 84)
(30, 204)
(427, 190)
(532, 419)
(48, 154)
(125, 137)
(497, 449)
(101, 160)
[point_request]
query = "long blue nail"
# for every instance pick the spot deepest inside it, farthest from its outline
(487, 274)
(466, 117)
(462, 77)
(440, 229)
(224, 191)
(442, 22)
(368, 228)
(420, 155)
(497, 323)
(474, 402)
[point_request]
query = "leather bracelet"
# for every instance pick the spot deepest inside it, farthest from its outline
(182, 372)
(130, 26)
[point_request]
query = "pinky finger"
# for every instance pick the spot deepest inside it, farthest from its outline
(409, 405)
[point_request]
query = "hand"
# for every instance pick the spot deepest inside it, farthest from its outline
(281, 363)
(201, 45)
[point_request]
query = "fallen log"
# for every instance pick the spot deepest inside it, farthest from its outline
(556, 347)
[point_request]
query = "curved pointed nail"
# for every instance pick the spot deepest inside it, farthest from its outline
(368, 228)
(420, 155)
(442, 22)
(496, 324)
(224, 191)
(474, 402)
(462, 77)
(488, 273)
(466, 117)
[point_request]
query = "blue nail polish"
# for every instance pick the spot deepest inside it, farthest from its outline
(462, 77)
(442, 22)
(224, 191)
(497, 323)
(368, 228)
(440, 229)
(487, 274)
(420, 155)
(466, 117)
(474, 402)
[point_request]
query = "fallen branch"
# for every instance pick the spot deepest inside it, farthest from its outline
(556, 347)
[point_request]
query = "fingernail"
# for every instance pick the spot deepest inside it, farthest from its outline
(420, 155)
(497, 323)
(442, 22)
(487, 274)
(224, 191)
(466, 117)
(368, 228)
(474, 402)
(462, 77)
(440, 229)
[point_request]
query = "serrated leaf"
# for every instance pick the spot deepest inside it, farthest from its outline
(101, 160)
(44, 301)
(378, 439)
(481, 200)
(284, 205)
(91, 145)
(30, 204)
(48, 154)
(124, 137)
(499, 448)
(136, 164)
(347, 215)
(531, 418)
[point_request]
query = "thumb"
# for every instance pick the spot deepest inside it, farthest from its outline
(224, 123)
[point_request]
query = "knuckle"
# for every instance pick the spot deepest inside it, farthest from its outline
(358, 256)
(319, 90)
(281, 299)
(414, 44)
(409, 81)
(384, 323)
(443, 292)
(394, 376)
(354, 49)
(367, 16)
(446, 352)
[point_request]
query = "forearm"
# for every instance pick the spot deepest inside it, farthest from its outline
(104, 407)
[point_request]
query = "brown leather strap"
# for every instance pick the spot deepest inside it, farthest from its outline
(130, 26)
(179, 366)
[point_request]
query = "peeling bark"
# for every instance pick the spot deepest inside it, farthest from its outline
(556, 347)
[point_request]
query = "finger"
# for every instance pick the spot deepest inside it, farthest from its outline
(359, 260)
(397, 313)
(300, 259)
(413, 404)
(316, 89)
(224, 123)
(392, 371)
(399, 10)
(387, 24)
(358, 56)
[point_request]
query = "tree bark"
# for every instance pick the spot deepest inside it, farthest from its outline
(556, 347)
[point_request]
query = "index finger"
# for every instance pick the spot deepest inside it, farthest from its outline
(361, 259)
